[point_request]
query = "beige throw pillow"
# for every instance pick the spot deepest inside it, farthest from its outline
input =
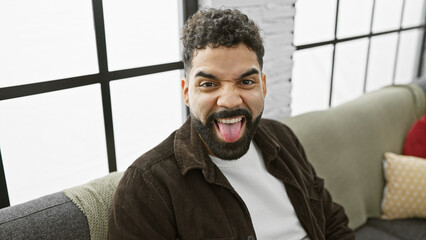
(405, 191)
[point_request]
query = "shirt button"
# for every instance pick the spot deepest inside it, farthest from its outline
(251, 237)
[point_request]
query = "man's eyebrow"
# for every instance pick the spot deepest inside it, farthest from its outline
(249, 72)
(211, 76)
(206, 75)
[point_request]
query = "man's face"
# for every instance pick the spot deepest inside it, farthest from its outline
(225, 93)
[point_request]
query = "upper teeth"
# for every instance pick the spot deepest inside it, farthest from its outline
(230, 121)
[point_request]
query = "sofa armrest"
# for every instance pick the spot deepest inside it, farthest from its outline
(53, 216)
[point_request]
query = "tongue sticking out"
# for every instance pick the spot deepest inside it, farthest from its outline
(230, 132)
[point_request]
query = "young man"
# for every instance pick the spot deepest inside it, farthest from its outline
(226, 173)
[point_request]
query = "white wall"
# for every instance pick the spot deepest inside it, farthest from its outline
(424, 64)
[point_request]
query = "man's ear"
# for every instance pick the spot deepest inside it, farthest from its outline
(185, 94)
(264, 84)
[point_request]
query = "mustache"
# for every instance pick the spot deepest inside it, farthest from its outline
(229, 113)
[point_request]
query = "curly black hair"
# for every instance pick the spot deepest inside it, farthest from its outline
(220, 27)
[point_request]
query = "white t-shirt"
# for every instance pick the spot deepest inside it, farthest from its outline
(271, 211)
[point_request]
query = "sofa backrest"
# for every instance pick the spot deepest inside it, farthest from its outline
(346, 144)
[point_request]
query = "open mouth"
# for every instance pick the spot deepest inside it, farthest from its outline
(230, 129)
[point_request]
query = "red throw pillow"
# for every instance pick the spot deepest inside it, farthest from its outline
(415, 142)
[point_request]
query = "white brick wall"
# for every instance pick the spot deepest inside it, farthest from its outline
(424, 65)
(276, 19)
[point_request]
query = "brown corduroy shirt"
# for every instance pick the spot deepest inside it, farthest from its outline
(174, 191)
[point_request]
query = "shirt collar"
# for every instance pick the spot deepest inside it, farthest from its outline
(191, 153)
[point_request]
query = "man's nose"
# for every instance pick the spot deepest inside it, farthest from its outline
(229, 98)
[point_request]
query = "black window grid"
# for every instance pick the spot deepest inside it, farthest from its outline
(104, 77)
(336, 40)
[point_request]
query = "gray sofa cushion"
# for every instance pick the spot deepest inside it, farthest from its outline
(404, 229)
(50, 217)
(371, 233)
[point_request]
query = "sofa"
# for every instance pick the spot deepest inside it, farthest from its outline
(345, 145)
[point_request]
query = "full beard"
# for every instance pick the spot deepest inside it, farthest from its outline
(219, 148)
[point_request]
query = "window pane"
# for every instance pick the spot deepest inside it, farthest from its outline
(381, 63)
(311, 79)
(349, 70)
(354, 18)
(141, 33)
(407, 54)
(45, 40)
(146, 110)
(52, 141)
(413, 10)
(387, 15)
(314, 21)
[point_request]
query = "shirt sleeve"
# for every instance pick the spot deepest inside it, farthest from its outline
(139, 210)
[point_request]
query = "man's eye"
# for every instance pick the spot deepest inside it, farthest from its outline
(247, 82)
(207, 84)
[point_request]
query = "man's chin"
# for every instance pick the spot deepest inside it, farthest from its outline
(230, 151)
(216, 144)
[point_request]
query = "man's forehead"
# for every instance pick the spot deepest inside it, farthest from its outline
(225, 61)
